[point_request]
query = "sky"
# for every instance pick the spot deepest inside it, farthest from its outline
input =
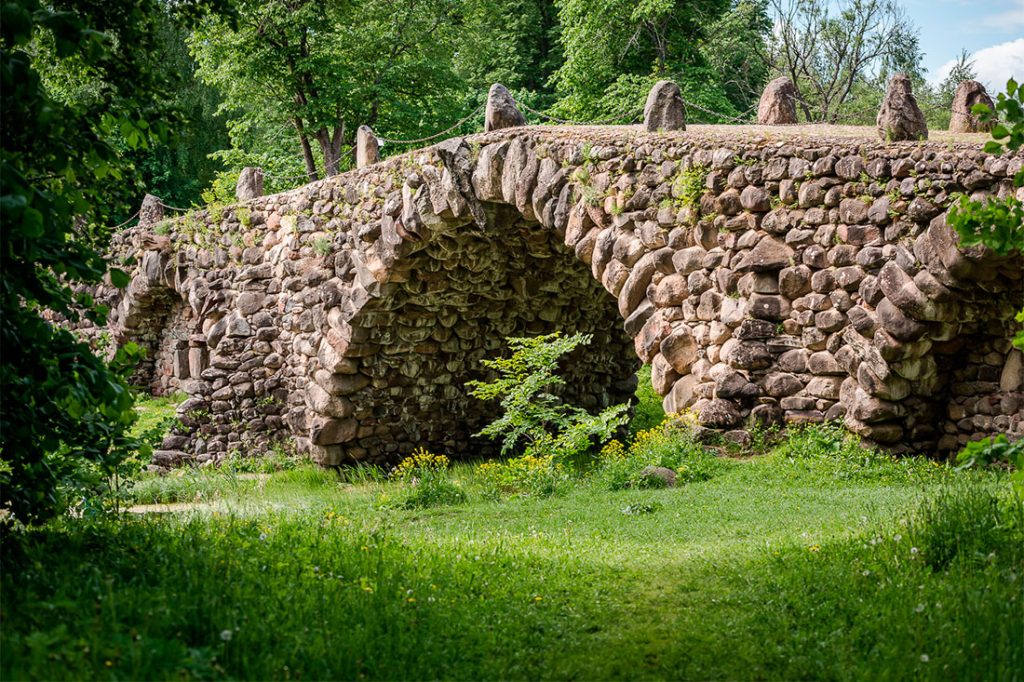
(991, 31)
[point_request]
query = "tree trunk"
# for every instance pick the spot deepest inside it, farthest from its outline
(307, 150)
(330, 146)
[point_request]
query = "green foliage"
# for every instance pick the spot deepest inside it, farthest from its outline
(997, 223)
(670, 444)
(967, 524)
(777, 577)
(996, 451)
(648, 411)
(830, 454)
(690, 185)
(322, 246)
(429, 481)
(528, 475)
(615, 50)
(322, 68)
(63, 177)
(532, 414)
(841, 54)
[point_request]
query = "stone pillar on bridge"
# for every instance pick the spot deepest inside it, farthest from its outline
(501, 110)
(778, 103)
(664, 109)
(969, 93)
(367, 147)
(250, 184)
(899, 117)
(152, 210)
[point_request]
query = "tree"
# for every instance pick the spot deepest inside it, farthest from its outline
(615, 50)
(65, 411)
(513, 42)
(828, 52)
(325, 67)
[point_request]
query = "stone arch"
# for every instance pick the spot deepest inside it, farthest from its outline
(457, 267)
(152, 314)
(764, 281)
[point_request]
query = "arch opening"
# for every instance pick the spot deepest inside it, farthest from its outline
(451, 304)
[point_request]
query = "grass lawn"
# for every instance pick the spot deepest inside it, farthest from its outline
(775, 567)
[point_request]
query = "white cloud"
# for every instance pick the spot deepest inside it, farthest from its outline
(1007, 20)
(994, 65)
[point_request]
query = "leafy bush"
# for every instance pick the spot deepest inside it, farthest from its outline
(670, 445)
(64, 177)
(996, 451)
(429, 481)
(528, 475)
(997, 223)
(532, 415)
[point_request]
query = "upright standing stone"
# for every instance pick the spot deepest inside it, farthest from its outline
(501, 110)
(250, 184)
(969, 93)
(152, 210)
(778, 103)
(367, 147)
(899, 117)
(664, 109)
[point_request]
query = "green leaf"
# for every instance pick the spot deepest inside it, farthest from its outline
(119, 278)
(32, 223)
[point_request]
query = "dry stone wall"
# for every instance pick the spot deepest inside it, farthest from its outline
(766, 277)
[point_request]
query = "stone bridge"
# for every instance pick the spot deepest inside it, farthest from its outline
(768, 275)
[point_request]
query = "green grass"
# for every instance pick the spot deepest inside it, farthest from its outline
(817, 560)
(154, 417)
(776, 567)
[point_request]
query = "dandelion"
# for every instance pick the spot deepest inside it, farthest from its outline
(919, 608)
(411, 600)
(225, 635)
(865, 573)
(537, 598)
(924, 658)
(913, 550)
(814, 548)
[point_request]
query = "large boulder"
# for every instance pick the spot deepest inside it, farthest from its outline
(664, 109)
(501, 110)
(778, 103)
(969, 93)
(899, 117)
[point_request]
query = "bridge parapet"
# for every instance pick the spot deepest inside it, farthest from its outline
(768, 275)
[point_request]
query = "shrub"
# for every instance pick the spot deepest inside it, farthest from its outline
(429, 481)
(670, 444)
(529, 475)
(533, 416)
